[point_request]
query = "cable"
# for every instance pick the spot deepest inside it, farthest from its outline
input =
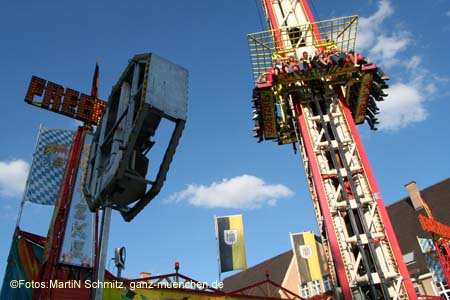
(259, 14)
(315, 10)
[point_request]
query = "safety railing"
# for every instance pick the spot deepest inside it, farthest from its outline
(264, 46)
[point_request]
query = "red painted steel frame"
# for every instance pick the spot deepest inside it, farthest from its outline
(310, 16)
(267, 282)
(321, 195)
(334, 244)
(40, 240)
(273, 22)
(392, 238)
(244, 293)
(431, 225)
(275, 25)
(339, 263)
(305, 5)
(49, 267)
(443, 252)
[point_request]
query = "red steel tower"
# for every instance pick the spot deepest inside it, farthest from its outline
(317, 110)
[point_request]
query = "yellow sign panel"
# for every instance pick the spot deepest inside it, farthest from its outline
(363, 98)
(268, 113)
(313, 260)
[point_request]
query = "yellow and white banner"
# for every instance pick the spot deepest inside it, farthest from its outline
(230, 239)
(306, 251)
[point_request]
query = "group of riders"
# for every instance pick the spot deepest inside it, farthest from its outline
(323, 61)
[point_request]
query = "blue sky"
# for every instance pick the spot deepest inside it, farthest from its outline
(219, 169)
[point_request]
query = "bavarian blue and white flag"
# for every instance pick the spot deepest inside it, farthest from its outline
(47, 168)
(432, 260)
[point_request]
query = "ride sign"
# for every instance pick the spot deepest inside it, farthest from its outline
(67, 102)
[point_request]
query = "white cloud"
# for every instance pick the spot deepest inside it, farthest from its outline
(447, 13)
(391, 49)
(13, 175)
(406, 103)
(404, 106)
(240, 192)
(430, 88)
(8, 213)
(369, 27)
(379, 44)
(414, 63)
(386, 48)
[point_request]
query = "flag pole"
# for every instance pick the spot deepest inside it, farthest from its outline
(27, 184)
(291, 235)
(22, 202)
(218, 248)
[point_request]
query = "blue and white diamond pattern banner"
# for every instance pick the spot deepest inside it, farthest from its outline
(428, 251)
(48, 165)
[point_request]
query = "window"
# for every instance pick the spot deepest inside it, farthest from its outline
(327, 284)
(409, 258)
(443, 290)
(304, 290)
(417, 289)
(316, 288)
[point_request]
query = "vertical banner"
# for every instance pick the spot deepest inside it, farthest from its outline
(78, 243)
(231, 244)
(48, 166)
(431, 259)
(24, 262)
(306, 252)
(269, 115)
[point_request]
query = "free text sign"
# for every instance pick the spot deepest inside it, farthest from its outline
(65, 101)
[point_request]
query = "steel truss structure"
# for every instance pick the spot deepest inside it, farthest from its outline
(316, 111)
(441, 239)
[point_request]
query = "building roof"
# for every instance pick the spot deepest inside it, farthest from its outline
(406, 224)
(276, 267)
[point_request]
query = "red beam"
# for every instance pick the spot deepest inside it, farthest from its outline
(310, 17)
(321, 195)
(443, 252)
(390, 233)
(56, 232)
(274, 23)
(40, 240)
(434, 226)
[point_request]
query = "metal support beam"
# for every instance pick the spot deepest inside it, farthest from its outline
(104, 238)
